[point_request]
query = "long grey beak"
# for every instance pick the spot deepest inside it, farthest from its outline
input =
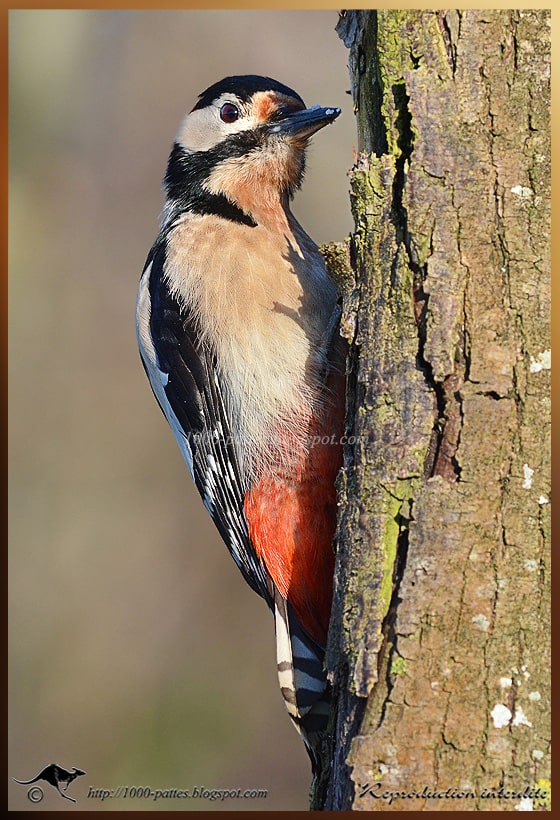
(304, 123)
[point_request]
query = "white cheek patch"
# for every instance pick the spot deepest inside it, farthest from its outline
(203, 128)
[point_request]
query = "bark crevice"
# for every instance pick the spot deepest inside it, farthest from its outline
(395, 661)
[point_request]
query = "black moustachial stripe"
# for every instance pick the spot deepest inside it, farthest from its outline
(243, 87)
(186, 172)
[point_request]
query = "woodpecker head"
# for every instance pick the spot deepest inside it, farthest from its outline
(240, 152)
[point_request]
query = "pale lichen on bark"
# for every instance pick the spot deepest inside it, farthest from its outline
(443, 534)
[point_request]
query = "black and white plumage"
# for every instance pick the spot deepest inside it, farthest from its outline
(182, 372)
(235, 328)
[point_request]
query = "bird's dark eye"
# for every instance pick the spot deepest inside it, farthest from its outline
(229, 112)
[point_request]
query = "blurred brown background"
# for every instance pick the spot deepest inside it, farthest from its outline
(137, 652)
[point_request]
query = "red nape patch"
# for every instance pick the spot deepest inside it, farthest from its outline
(291, 523)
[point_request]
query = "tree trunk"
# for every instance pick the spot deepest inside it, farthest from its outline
(438, 645)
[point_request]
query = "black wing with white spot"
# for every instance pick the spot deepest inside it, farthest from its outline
(183, 377)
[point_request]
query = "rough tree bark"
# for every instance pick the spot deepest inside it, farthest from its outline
(439, 638)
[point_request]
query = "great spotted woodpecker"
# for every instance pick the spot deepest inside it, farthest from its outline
(237, 324)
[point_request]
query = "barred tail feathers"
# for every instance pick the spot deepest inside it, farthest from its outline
(303, 681)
